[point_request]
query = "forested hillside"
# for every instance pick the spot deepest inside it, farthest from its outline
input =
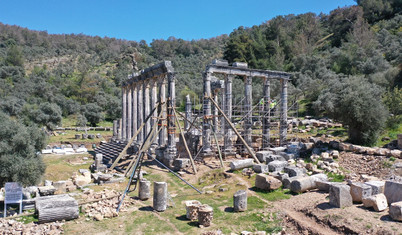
(345, 65)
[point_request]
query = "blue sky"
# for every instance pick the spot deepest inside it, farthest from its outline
(153, 19)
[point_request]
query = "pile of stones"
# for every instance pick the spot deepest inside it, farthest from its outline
(307, 124)
(373, 194)
(12, 226)
(104, 204)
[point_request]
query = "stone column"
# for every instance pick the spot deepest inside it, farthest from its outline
(247, 109)
(153, 105)
(135, 108)
(205, 215)
(206, 127)
(162, 109)
(171, 125)
(119, 130)
(223, 105)
(140, 111)
(144, 191)
(115, 128)
(283, 112)
(160, 196)
(129, 111)
(228, 144)
(124, 115)
(216, 112)
(188, 113)
(266, 114)
(147, 105)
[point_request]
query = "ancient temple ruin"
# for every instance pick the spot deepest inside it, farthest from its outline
(148, 110)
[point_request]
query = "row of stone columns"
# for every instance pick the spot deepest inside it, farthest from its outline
(226, 103)
(139, 99)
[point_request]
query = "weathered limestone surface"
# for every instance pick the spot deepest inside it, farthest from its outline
(295, 171)
(339, 196)
(160, 196)
(376, 186)
(263, 155)
(240, 164)
(56, 208)
(266, 182)
(359, 191)
(192, 207)
(144, 191)
(205, 215)
(395, 211)
(277, 165)
(306, 183)
(378, 202)
(240, 201)
(260, 168)
(393, 191)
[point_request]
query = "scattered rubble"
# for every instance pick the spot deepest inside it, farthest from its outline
(11, 226)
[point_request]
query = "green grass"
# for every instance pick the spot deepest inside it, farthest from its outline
(275, 195)
(61, 167)
(69, 135)
(335, 177)
(26, 219)
(392, 133)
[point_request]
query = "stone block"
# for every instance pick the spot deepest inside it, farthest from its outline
(305, 183)
(192, 207)
(277, 166)
(287, 156)
(325, 185)
(240, 164)
(46, 190)
(266, 182)
(295, 171)
(260, 168)
(396, 153)
(281, 176)
(240, 201)
(339, 196)
(344, 146)
(376, 186)
(262, 155)
(378, 202)
(60, 187)
(277, 150)
(393, 191)
(395, 211)
(359, 191)
(180, 163)
(287, 181)
(273, 157)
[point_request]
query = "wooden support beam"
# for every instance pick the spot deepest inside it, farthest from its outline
(132, 140)
(185, 143)
(234, 129)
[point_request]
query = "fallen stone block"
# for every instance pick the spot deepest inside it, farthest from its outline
(396, 153)
(60, 186)
(295, 171)
(395, 211)
(277, 166)
(393, 191)
(287, 156)
(344, 146)
(266, 182)
(339, 196)
(325, 185)
(181, 163)
(273, 157)
(287, 181)
(205, 215)
(262, 155)
(376, 186)
(260, 168)
(378, 202)
(306, 183)
(46, 190)
(240, 201)
(277, 150)
(56, 208)
(192, 207)
(359, 191)
(240, 164)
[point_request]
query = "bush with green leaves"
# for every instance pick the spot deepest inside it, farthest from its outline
(19, 145)
(357, 103)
